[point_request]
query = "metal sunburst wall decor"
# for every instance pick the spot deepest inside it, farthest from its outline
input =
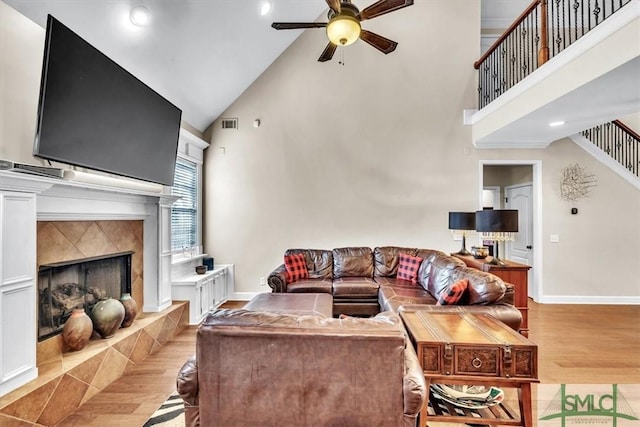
(576, 183)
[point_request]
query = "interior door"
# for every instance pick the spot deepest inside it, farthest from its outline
(521, 249)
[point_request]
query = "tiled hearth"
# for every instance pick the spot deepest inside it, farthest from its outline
(68, 380)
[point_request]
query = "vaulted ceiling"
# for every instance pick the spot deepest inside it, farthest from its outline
(202, 55)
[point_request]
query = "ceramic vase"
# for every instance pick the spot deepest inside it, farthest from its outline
(130, 309)
(77, 330)
(107, 316)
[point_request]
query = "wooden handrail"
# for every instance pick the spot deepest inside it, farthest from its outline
(508, 31)
(626, 129)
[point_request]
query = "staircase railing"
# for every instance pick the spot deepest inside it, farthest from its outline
(619, 141)
(544, 29)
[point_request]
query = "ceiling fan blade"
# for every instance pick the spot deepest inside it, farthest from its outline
(297, 25)
(383, 44)
(334, 5)
(383, 6)
(328, 52)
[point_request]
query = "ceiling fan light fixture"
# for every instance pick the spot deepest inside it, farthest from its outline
(343, 30)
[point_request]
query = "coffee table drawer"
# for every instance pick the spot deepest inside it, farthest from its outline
(476, 361)
(459, 360)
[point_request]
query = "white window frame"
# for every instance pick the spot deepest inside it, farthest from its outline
(191, 148)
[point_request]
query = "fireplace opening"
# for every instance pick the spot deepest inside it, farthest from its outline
(81, 283)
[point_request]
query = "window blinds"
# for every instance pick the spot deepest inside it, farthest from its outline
(184, 211)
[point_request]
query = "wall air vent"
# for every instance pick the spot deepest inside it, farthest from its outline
(229, 123)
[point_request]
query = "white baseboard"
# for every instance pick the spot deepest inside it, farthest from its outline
(244, 296)
(599, 299)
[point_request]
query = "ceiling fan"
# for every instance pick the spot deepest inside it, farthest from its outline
(344, 26)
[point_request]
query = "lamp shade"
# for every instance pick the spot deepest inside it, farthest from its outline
(343, 30)
(499, 220)
(462, 221)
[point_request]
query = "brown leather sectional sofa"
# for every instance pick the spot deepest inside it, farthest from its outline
(285, 361)
(272, 369)
(363, 281)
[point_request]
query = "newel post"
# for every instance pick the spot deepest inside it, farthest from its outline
(543, 53)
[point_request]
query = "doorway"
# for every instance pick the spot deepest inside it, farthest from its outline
(519, 186)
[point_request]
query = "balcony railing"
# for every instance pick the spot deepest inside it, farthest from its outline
(619, 141)
(544, 29)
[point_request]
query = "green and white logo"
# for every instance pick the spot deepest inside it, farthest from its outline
(588, 404)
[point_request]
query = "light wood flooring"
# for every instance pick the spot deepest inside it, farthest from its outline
(576, 344)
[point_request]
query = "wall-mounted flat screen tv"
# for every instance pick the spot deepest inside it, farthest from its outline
(95, 114)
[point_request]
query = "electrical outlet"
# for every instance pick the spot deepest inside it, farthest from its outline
(554, 238)
(263, 281)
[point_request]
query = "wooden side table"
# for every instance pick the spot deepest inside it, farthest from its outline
(512, 272)
(472, 349)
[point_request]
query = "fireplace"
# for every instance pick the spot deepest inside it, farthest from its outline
(81, 283)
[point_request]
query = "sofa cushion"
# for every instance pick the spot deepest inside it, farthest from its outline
(427, 256)
(484, 288)
(452, 294)
(386, 259)
(352, 262)
(356, 287)
(437, 272)
(324, 286)
(394, 293)
(319, 262)
(296, 266)
(408, 267)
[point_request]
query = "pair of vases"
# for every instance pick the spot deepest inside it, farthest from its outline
(107, 316)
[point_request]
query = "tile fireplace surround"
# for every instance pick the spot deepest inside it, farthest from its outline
(37, 213)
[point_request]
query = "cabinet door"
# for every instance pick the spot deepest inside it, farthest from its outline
(200, 300)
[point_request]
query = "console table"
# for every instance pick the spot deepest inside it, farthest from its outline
(512, 272)
(472, 349)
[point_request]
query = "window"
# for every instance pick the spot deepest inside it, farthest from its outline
(184, 212)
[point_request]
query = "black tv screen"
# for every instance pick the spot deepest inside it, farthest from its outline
(93, 113)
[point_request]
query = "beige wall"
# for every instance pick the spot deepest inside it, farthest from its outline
(21, 47)
(373, 153)
(362, 154)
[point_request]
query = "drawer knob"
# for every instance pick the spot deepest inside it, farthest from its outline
(477, 363)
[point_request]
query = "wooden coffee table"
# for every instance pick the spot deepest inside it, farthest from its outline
(472, 349)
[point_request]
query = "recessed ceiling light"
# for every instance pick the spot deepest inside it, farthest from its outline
(140, 16)
(265, 8)
(557, 123)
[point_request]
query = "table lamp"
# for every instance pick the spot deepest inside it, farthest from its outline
(498, 225)
(462, 223)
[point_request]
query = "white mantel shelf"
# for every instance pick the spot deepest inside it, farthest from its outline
(24, 182)
(26, 199)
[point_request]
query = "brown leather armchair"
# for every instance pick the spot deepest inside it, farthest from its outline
(267, 369)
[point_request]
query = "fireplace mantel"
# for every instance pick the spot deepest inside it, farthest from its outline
(26, 199)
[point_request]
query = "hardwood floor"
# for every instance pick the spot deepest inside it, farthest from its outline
(576, 344)
(586, 344)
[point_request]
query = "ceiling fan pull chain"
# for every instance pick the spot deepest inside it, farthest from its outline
(341, 61)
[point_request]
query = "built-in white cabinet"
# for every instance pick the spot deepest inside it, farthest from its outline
(17, 289)
(205, 292)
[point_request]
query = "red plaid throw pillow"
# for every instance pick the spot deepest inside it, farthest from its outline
(296, 267)
(408, 267)
(453, 293)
